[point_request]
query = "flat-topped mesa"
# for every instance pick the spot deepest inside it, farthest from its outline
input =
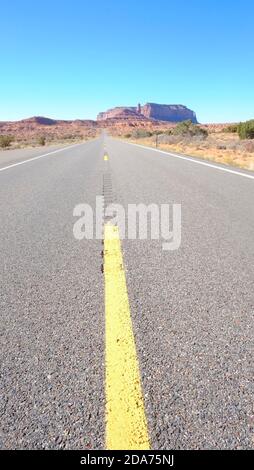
(168, 112)
(120, 112)
(150, 111)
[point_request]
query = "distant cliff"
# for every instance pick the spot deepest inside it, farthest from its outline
(168, 112)
(120, 112)
(159, 112)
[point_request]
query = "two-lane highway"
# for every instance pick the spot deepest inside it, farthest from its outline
(187, 315)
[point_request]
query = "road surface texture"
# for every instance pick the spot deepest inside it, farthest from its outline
(191, 309)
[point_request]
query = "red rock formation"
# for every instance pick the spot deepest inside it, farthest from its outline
(168, 112)
(120, 112)
(159, 112)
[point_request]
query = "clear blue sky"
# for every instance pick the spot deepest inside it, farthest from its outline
(72, 59)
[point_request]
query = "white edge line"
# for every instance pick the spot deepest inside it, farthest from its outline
(39, 156)
(216, 167)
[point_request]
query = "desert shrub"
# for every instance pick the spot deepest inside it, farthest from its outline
(141, 133)
(42, 140)
(221, 147)
(169, 139)
(249, 147)
(127, 136)
(157, 132)
(246, 129)
(68, 136)
(232, 128)
(188, 129)
(72, 136)
(6, 140)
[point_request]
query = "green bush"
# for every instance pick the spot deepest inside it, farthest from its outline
(68, 136)
(6, 140)
(141, 133)
(157, 132)
(42, 140)
(188, 129)
(232, 128)
(246, 129)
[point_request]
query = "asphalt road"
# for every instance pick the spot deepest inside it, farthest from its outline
(192, 309)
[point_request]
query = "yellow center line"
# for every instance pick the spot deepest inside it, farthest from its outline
(126, 426)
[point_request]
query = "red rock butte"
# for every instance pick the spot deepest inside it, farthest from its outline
(158, 112)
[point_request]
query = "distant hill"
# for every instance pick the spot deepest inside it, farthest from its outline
(52, 128)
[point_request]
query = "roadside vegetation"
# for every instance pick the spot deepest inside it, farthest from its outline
(42, 140)
(233, 144)
(8, 142)
(246, 129)
(5, 141)
(188, 129)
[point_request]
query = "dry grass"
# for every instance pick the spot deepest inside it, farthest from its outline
(218, 147)
(55, 140)
(28, 133)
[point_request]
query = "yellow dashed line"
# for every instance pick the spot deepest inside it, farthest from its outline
(126, 426)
